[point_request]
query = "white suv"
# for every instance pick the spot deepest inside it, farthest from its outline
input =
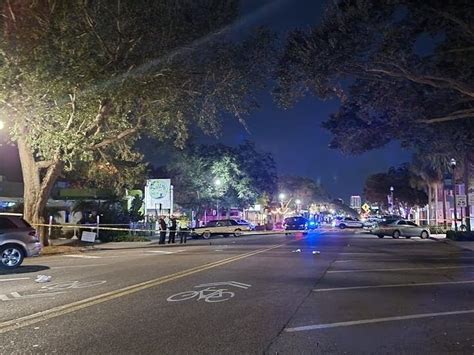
(347, 222)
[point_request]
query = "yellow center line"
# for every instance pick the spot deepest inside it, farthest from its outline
(31, 319)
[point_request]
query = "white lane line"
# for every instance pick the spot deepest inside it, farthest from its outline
(407, 260)
(376, 320)
(392, 285)
(164, 252)
(15, 279)
(78, 266)
(401, 269)
(81, 256)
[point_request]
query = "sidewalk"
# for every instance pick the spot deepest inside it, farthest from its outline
(442, 238)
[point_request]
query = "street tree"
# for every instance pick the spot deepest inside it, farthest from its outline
(407, 190)
(401, 69)
(82, 81)
(244, 174)
(301, 188)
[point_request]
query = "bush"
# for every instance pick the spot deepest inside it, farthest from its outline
(438, 229)
(460, 236)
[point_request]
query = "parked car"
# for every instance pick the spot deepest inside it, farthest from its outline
(297, 223)
(245, 223)
(401, 228)
(372, 222)
(347, 222)
(223, 227)
(17, 240)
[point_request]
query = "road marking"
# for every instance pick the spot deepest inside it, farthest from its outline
(164, 252)
(74, 266)
(376, 320)
(31, 319)
(16, 296)
(15, 279)
(401, 269)
(210, 294)
(407, 260)
(81, 256)
(392, 285)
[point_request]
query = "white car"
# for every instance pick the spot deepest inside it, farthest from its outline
(401, 228)
(223, 227)
(245, 223)
(347, 222)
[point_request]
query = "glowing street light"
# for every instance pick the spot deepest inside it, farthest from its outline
(218, 182)
(282, 196)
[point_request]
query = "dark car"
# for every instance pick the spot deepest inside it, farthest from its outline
(296, 224)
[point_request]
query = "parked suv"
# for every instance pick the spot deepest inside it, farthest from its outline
(17, 240)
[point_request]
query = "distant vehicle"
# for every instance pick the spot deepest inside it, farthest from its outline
(347, 222)
(245, 223)
(297, 223)
(401, 228)
(17, 240)
(223, 227)
(372, 222)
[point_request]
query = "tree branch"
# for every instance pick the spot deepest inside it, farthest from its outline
(452, 117)
(122, 135)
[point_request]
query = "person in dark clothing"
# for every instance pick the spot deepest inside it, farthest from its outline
(182, 234)
(162, 230)
(173, 227)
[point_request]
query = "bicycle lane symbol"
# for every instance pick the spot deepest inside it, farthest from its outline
(210, 292)
(50, 290)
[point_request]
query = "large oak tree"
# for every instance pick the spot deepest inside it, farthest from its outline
(81, 81)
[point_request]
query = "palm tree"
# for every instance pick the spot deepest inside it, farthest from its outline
(431, 167)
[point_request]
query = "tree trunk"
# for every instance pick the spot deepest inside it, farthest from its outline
(445, 222)
(430, 206)
(436, 186)
(37, 188)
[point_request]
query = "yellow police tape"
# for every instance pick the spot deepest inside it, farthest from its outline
(241, 232)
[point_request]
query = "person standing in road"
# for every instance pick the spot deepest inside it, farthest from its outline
(173, 227)
(182, 234)
(162, 230)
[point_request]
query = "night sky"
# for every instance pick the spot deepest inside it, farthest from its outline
(294, 137)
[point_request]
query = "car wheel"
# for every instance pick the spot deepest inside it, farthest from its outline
(424, 235)
(342, 226)
(11, 256)
(237, 233)
(380, 236)
(396, 234)
(206, 235)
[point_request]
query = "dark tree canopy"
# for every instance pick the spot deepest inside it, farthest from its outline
(407, 190)
(402, 69)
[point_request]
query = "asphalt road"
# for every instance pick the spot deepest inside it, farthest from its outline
(328, 292)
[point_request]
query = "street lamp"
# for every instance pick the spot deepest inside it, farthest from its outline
(391, 199)
(281, 196)
(452, 163)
